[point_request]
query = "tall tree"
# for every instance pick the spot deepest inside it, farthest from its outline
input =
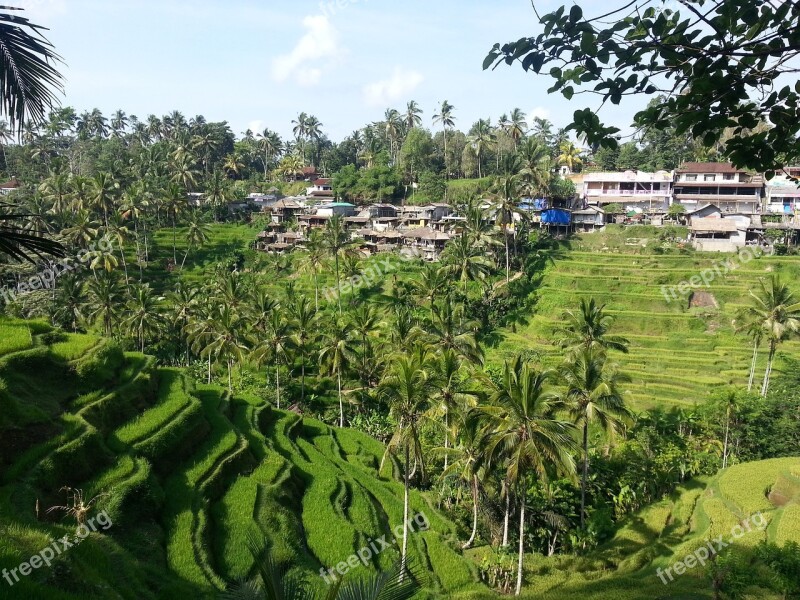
(447, 120)
(593, 396)
(524, 429)
(336, 354)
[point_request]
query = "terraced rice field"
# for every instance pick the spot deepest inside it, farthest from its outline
(189, 475)
(678, 355)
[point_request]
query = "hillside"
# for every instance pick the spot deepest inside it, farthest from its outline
(761, 498)
(678, 354)
(189, 474)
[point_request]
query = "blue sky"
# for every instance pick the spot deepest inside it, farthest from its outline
(258, 64)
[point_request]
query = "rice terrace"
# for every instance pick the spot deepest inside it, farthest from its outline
(437, 350)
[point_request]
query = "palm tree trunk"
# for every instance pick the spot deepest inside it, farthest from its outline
(183, 262)
(508, 263)
(585, 473)
(768, 373)
(446, 437)
(138, 248)
(277, 383)
(521, 541)
(341, 405)
(725, 443)
(405, 520)
(474, 512)
(753, 367)
(174, 243)
(316, 289)
(303, 378)
(338, 283)
(230, 376)
(508, 512)
(209, 368)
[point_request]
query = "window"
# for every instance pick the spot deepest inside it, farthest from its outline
(691, 177)
(709, 177)
(728, 176)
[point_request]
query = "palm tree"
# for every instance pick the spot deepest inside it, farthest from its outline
(196, 236)
(300, 130)
(413, 116)
(773, 308)
(226, 338)
(30, 79)
(103, 194)
(304, 327)
(523, 429)
(452, 398)
(593, 396)
(405, 389)
(69, 302)
(450, 330)
(105, 299)
(336, 354)
(465, 261)
(315, 259)
(469, 459)
(174, 204)
(393, 123)
(447, 120)
(273, 346)
(270, 144)
(336, 238)
(143, 317)
(365, 323)
(119, 122)
(755, 331)
(431, 282)
(587, 329)
(482, 137)
(507, 193)
(569, 156)
(535, 168)
(517, 126)
(543, 130)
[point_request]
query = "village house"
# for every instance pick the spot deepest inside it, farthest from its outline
(634, 190)
(321, 189)
(10, 186)
(732, 190)
(342, 209)
(284, 210)
(783, 197)
(589, 219)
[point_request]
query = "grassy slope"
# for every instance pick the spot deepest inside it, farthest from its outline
(678, 355)
(190, 474)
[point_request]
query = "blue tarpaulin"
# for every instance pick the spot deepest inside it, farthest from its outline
(556, 216)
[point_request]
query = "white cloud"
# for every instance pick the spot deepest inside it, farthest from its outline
(538, 113)
(319, 47)
(402, 83)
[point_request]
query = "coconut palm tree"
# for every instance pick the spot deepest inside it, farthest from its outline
(336, 239)
(30, 79)
(406, 389)
(507, 190)
(197, 236)
(450, 330)
(314, 259)
(270, 144)
(593, 396)
(366, 323)
(336, 355)
(588, 328)
(469, 458)
(535, 170)
(480, 138)
(119, 122)
(432, 281)
(174, 205)
(517, 126)
(226, 338)
(143, 318)
(69, 302)
(569, 156)
(755, 331)
(452, 397)
(413, 116)
(105, 300)
(465, 261)
(447, 120)
(273, 345)
(103, 194)
(524, 430)
(543, 130)
(776, 311)
(305, 323)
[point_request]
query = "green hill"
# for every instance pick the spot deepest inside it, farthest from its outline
(190, 474)
(678, 354)
(745, 504)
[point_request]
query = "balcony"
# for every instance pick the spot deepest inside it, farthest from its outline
(628, 193)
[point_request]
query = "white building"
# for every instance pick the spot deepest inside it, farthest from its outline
(732, 190)
(783, 196)
(649, 192)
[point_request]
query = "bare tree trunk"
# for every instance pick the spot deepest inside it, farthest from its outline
(405, 520)
(446, 437)
(585, 474)
(521, 541)
(474, 512)
(278, 383)
(341, 405)
(753, 367)
(725, 443)
(508, 512)
(768, 373)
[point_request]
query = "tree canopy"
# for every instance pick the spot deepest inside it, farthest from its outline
(723, 71)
